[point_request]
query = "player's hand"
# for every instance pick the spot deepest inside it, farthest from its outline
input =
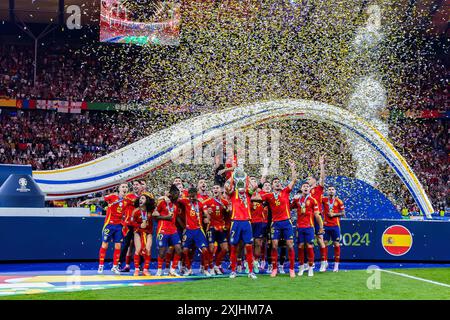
(155, 214)
(321, 231)
(144, 225)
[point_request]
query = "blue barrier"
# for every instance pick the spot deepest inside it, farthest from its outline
(72, 238)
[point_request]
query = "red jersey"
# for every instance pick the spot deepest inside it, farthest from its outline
(306, 209)
(115, 211)
(193, 213)
(334, 206)
(167, 226)
(202, 198)
(138, 217)
(259, 212)
(219, 210)
(317, 194)
(240, 206)
(279, 204)
(129, 208)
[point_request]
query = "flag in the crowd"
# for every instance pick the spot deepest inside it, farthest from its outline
(46, 104)
(8, 102)
(71, 106)
(62, 106)
(76, 106)
(25, 104)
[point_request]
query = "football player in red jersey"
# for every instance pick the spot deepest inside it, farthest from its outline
(281, 226)
(194, 234)
(217, 208)
(259, 225)
(241, 190)
(202, 196)
(112, 228)
(333, 209)
(167, 213)
(128, 231)
(307, 211)
(317, 194)
(202, 187)
(267, 244)
(178, 182)
(142, 222)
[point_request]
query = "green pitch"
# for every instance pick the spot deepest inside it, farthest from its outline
(343, 285)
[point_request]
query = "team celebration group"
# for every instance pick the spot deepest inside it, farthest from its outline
(244, 217)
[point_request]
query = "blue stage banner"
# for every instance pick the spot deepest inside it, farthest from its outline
(399, 240)
(75, 238)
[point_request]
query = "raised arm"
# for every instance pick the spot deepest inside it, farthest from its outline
(90, 201)
(229, 187)
(293, 175)
(221, 172)
(322, 170)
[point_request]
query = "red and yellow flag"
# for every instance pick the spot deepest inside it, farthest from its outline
(397, 240)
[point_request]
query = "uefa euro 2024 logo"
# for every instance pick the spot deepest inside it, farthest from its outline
(23, 185)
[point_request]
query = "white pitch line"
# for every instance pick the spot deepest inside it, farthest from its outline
(417, 278)
(25, 285)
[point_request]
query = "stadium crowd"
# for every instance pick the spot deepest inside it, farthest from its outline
(51, 140)
(63, 72)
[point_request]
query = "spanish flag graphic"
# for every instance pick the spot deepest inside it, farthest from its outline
(397, 240)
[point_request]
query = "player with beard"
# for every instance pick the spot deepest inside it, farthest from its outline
(317, 194)
(333, 210)
(281, 226)
(217, 208)
(194, 235)
(178, 182)
(307, 212)
(112, 228)
(266, 245)
(259, 228)
(167, 214)
(202, 187)
(240, 191)
(128, 229)
(202, 196)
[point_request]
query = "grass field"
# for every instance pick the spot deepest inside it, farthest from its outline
(341, 286)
